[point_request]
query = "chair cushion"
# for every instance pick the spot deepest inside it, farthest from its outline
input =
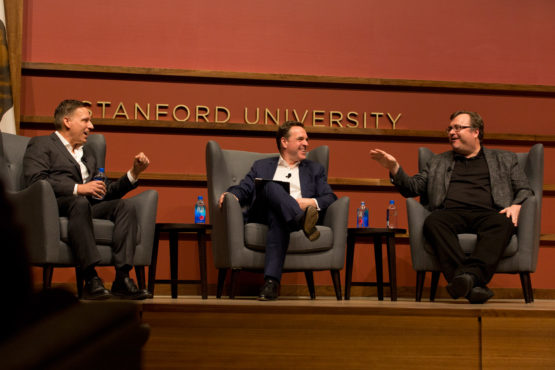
(468, 242)
(103, 231)
(255, 239)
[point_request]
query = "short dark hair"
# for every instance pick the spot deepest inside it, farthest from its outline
(64, 109)
(475, 121)
(283, 131)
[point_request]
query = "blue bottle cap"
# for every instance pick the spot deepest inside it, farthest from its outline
(200, 197)
(101, 169)
(391, 202)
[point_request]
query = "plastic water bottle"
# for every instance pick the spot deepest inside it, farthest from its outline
(362, 215)
(200, 211)
(99, 176)
(391, 216)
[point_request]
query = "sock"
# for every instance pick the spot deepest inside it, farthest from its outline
(122, 273)
(89, 272)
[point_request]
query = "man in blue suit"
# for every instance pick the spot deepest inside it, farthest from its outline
(467, 189)
(269, 203)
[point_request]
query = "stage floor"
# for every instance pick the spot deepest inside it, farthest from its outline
(362, 333)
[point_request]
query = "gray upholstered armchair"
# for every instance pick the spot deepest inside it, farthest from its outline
(237, 246)
(46, 232)
(521, 255)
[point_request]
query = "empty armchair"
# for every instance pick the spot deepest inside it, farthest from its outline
(46, 232)
(520, 256)
(237, 246)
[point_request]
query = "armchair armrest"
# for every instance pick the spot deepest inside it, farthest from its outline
(228, 230)
(528, 234)
(146, 205)
(416, 214)
(337, 217)
(36, 210)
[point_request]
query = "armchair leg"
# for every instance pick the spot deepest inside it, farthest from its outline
(310, 283)
(433, 287)
(221, 280)
(47, 272)
(233, 282)
(526, 283)
(420, 277)
(336, 278)
(80, 281)
(140, 272)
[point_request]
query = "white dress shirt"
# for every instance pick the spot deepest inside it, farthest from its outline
(290, 174)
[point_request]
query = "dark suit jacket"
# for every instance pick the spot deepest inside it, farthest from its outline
(311, 175)
(509, 184)
(46, 158)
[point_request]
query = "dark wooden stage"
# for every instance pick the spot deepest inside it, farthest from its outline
(362, 333)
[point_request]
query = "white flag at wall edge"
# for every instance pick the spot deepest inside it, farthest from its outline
(7, 116)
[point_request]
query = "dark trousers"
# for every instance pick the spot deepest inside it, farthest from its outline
(494, 231)
(80, 213)
(277, 209)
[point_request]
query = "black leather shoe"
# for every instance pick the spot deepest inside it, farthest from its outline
(269, 291)
(94, 289)
(460, 286)
(479, 294)
(308, 223)
(126, 289)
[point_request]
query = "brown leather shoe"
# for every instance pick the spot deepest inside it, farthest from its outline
(308, 223)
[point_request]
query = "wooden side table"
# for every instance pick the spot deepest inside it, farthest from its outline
(174, 229)
(376, 234)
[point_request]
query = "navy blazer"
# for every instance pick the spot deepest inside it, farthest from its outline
(312, 176)
(46, 158)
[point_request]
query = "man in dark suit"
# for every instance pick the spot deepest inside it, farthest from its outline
(468, 189)
(284, 212)
(63, 161)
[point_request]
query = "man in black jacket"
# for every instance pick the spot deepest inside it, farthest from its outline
(63, 161)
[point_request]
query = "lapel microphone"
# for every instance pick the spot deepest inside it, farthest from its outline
(288, 175)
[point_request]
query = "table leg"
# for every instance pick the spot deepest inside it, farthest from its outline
(391, 260)
(153, 261)
(173, 262)
(202, 262)
(349, 267)
(379, 266)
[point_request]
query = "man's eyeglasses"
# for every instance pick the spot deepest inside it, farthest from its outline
(457, 128)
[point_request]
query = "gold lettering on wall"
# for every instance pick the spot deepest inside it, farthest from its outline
(247, 116)
(182, 107)
(224, 110)
(267, 114)
(393, 121)
(120, 112)
(202, 112)
(377, 115)
(352, 117)
(222, 114)
(103, 104)
(315, 118)
(146, 115)
(336, 117)
(160, 112)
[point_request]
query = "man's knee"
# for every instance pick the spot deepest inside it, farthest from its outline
(433, 221)
(80, 208)
(127, 209)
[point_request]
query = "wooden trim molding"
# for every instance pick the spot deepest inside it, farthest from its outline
(32, 68)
